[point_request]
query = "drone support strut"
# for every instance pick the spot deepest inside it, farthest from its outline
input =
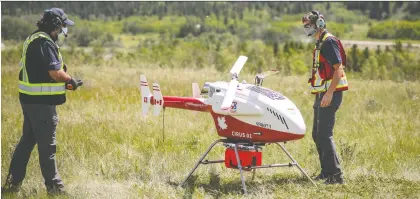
(240, 169)
(295, 163)
(200, 161)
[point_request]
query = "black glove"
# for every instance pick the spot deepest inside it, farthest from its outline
(72, 84)
(79, 82)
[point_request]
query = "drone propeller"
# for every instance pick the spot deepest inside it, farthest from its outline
(268, 73)
(237, 67)
(230, 94)
(233, 84)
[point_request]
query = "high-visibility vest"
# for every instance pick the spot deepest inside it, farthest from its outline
(322, 71)
(29, 88)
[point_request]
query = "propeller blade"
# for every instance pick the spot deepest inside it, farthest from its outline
(230, 94)
(270, 72)
(237, 67)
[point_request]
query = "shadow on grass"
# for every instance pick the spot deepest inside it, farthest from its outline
(31, 193)
(189, 190)
(217, 189)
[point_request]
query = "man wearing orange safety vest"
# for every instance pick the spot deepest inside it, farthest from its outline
(327, 82)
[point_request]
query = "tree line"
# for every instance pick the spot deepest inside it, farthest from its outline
(214, 34)
(375, 10)
(219, 51)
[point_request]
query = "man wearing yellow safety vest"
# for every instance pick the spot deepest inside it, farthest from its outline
(42, 86)
(327, 82)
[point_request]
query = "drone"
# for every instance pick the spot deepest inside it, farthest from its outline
(247, 116)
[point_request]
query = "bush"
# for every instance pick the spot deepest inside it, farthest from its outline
(343, 15)
(338, 29)
(84, 36)
(11, 56)
(395, 30)
(13, 28)
(131, 27)
(137, 24)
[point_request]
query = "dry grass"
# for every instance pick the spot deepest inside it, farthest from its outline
(107, 150)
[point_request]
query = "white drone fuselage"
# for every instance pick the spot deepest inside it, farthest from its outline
(256, 105)
(240, 111)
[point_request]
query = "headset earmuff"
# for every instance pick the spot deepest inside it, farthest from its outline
(320, 22)
(56, 21)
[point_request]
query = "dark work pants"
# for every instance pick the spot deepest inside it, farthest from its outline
(39, 127)
(322, 133)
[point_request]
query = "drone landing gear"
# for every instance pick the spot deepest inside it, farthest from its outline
(240, 167)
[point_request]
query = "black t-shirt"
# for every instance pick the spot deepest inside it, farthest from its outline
(41, 56)
(331, 51)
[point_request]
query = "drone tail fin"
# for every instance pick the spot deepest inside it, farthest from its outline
(145, 95)
(157, 99)
(196, 90)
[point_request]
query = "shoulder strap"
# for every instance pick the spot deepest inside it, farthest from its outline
(324, 37)
(340, 45)
(42, 35)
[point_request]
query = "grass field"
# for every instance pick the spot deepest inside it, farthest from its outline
(106, 149)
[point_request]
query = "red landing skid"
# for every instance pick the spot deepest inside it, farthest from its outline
(236, 146)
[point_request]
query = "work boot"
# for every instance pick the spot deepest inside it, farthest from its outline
(335, 179)
(56, 191)
(321, 176)
(10, 188)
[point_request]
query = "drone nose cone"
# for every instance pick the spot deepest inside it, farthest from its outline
(300, 124)
(300, 127)
(297, 123)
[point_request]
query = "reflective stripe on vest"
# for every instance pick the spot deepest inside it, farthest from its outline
(319, 84)
(38, 88)
(41, 88)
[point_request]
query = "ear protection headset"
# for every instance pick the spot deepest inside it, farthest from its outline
(320, 22)
(53, 17)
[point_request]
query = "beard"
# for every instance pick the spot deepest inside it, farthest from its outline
(54, 37)
(54, 34)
